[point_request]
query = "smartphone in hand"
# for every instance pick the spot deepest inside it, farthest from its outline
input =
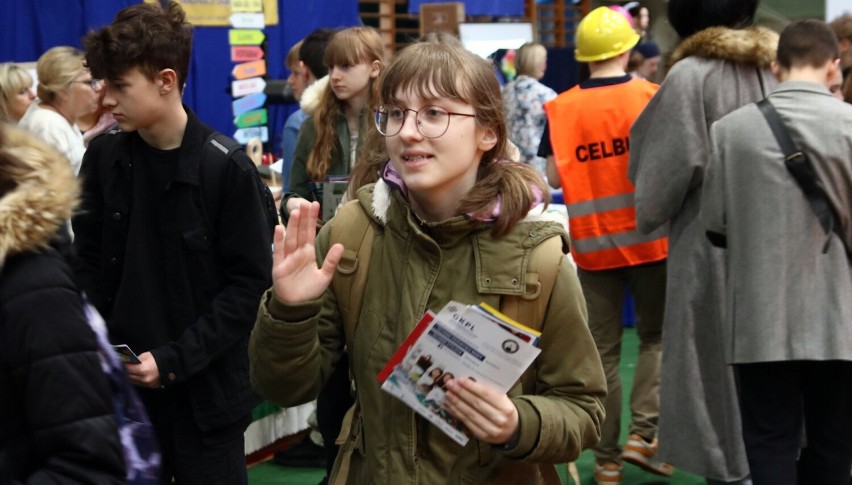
(126, 354)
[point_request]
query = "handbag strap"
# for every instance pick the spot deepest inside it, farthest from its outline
(802, 170)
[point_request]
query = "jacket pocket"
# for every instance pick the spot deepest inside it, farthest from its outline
(201, 260)
(197, 239)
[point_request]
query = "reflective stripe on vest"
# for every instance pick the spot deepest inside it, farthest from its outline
(617, 240)
(601, 204)
(590, 135)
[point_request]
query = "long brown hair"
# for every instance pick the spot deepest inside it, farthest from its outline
(439, 67)
(355, 45)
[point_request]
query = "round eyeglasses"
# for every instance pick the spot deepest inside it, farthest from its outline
(95, 84)
(431, 121)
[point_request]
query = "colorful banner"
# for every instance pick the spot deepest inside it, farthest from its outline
(247, 86)
(245, 37)
(243, 135)
(252, 118)
(246, 53)
(248, 103)
(217, 13)
(249, 69)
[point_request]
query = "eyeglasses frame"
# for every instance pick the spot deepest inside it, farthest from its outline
(417, 112)
(93, 83)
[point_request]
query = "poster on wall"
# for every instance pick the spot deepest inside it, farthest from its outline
(217, 13)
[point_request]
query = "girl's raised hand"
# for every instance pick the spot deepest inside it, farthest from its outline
(488, 414)
(295, 275)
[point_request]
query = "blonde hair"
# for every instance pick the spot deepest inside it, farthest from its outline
(355, 45)
(439, 67)
(528, 58)
(13, 78)
(293, 56)
(56, 68)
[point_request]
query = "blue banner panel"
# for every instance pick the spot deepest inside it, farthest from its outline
(494, 8)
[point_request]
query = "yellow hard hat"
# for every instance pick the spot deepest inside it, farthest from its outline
(603, 34)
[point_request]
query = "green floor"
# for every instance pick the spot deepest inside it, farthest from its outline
(268, 473)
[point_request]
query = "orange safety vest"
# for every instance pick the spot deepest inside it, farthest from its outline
(590, 136)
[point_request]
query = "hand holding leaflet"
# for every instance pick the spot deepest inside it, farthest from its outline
(471, 355)
(126, 355)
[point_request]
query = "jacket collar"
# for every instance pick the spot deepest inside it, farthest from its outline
(754, 45)
(189, 159)
(312, 95)
(500, 263)
(808, 86)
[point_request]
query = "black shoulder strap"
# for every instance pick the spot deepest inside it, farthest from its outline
(215, 153)
(801, 169)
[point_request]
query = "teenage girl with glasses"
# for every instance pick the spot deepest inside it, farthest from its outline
(448, 208)
(329, 142)
(328, 146)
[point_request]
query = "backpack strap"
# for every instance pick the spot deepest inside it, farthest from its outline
(352, 228)
(530, 308)
(802, 170)
(215, 153)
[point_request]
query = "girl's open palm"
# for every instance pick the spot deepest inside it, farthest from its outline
(295, 275)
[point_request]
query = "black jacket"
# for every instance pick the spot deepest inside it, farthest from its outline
(57, 422)
(214, 268)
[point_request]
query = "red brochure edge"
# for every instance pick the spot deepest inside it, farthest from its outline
(406, 345)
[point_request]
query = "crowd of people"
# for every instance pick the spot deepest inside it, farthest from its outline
(719, 199)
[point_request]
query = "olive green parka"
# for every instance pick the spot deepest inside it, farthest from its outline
(417, 266)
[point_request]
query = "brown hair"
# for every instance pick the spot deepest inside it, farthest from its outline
(145, 36)
(842, 26)
(439, 67)
(292, 59)
(807, 43)
(355, 45)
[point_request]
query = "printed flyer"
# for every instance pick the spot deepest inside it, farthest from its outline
(473, 341)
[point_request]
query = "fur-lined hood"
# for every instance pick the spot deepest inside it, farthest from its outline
(312, 95)
(380, 200)
(44, 197)
(754, 45)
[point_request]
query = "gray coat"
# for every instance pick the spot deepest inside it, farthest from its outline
(720, 70)
(787, 300)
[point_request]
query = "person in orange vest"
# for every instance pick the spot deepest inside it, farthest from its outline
(587, 150)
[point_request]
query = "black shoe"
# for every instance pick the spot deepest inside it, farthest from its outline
(304, 454)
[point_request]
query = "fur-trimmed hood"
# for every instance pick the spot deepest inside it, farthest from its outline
(44, 197)
(754, 45)
(379, 204)
(312, 95)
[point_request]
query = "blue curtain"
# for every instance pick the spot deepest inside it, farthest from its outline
(494, 8)
(32, 27)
